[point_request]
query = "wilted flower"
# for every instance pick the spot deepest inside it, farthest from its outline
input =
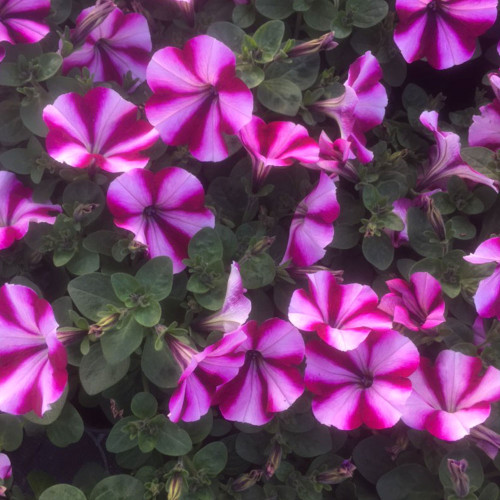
(246, 481)
(164, 210)
(334, 158)
(486, 439)
(459, 478)
(338, 474)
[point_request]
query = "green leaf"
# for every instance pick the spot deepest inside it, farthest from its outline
(144, 405)
(312, 443)
(157, 277)
(244, 15)
(18, 160)
(171, 439)
(31, 112)
(414, 97)
(303, 70)
(250, 74)
(60, 11)
(478, 158)
(159, 367)
(124, 285)
(62, 492)
(50, 416)
(366, 14)
(85, 192)
(92, 293)
(378, 250)
(49, 65)
(83, 262)
(96, 374)
(11, 432)
(10, 76)
(211, 459)
(12, 130)
(371, 457)
(206, 245)
(228, 34)
(342, 25)
(118, 439)
(280, 95)
(320, 15)
(120, 487)
(345, 237)
(419, 233)
(119, 343)
(474, 469)
(67, 429)
(490, 492)
(273, 9)
(463, 229)
(149, 315)
(199, 429)
(101, 241)
(258, 271)
(268, 39)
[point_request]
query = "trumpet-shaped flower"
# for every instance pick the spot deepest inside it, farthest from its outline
(445, 160)
(442, 31)
(361, 107)
(18, 209)
(197, 97)
(418, 305)
(452, 396)
(202, 373)
(368, 385)
(21, 21)
(164, 210)
(100, 128)
(312, 224)
(32, 360)
(487, 297)
(342, 315)
(269, 381)
(114, 43)
(277, 144)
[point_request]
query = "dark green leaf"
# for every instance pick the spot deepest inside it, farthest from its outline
(367, 14)
(250, 74)
(157, 277)
(312, 443)
(159, 366)
(268, 39)
(119, 343)
(244, 15)
(320, 15)
(211, 459)
(228, 34)
(372, 458)
(273, 9)
(171, 439)
(258, 271)
(206, 246)
(49, 63)
(378, 250)
(62, 492)
(67, 429)
(11, 432)
(144, 405)
(303, 71)
(149, 315)
(120, 487)
(280, 95)
(118, 439)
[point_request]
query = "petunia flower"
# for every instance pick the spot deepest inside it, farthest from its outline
(418, 305)
(361, 107)
(110, 44)
(5, 472)
(486, 439)
(277, 144)
(100, 128)
(442, 31)
(197, 97)
(22, 21)
(18, 209)
(269, 381)
(312, 224)
(342, 315)
(164, 210)
(334, 158)
(202, 373)
(368, 385)
(445, 161)
(32, 360)
(235, 309)
(452, 396)
(485, 128)
(487, 297)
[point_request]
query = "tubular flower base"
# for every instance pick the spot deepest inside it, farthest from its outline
(32, 360)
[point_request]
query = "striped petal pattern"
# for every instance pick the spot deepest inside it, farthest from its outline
(17, 210)
(98, 129)
(197, 97)
(32, 360)
(164, 210)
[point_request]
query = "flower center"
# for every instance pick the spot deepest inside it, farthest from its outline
(366, 380)
(433, 5)
(150, 211)
(253, 355)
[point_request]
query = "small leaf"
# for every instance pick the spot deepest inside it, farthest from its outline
(118, 440)
(171, 439)
(149, 315)
(273, 9)
(159, 366)
(320, 15)
(244, 15)
(228, 34)
(211, 459)
(49, 64)
(280, 95)
(119, 343)
(367, 14)
(157, 277)
(378, 250)
(257, 271)
(120, 487)
(62, 492)
(268, 38)
(206, 246)
(144, 405)
(67, 429)
(250, 74)
(11, 432)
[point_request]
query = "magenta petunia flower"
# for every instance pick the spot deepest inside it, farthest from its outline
(334, 158)
(361, 107)
(5, 472)
(234, 311)
(312, 224)
(269, 381)
(18, 209)
(451, 397)
(32, 360)
(445, 160)
(22, 21)
(442, 31)
(485, 128)
(342, 315)
(197, 97)
(100, 128)
(164, 210)
(368, 385)
(487, 297)
(114, 43)
(202, 373)
(277, 144)
(418, 305)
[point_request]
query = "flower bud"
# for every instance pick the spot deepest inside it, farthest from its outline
(174, 486)
(337, 475)
(274, 460)
(92, 21)
(458, 476)
(324, 42)
(486, 439)
(246, 481)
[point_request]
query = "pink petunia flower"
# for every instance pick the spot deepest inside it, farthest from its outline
(312, 224)
(361, 107)
(418, 305)
(276, 144)
(202, 373)
(342, 315)
(368, 385)
(5, 472)
(334, 158)
(485, 128)
(197, 97)
(114, 43)
(32, 360)
(451, 397)
(445, 160)
(269, 381)
(18, 209)
(234, 311)
(21, 21)
(442, 31)
(164, 210)
(100, 128)
(487, 297)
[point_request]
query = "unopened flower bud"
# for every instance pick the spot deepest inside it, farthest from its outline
(458, 476)
(246, 481)
(69, 334)
(84, 209)
(274, 460)
(174, 486)
(486, 439)
(324, 42)
(99, 13)
(337, 475)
